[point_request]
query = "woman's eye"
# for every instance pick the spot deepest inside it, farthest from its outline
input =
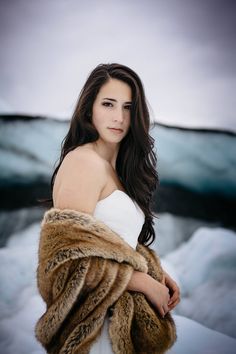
(128, 107)
(107, 104)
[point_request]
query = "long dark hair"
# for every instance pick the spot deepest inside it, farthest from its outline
(136, 160)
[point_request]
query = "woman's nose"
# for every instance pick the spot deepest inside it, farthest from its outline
(118, 115)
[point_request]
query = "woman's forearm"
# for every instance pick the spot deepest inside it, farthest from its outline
(138, 282)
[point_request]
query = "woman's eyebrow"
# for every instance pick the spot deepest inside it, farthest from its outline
(112, 99)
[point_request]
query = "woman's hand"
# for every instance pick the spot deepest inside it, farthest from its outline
(156, 292)
(173, 289)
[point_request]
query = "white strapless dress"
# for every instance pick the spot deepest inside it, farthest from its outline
(124, 216)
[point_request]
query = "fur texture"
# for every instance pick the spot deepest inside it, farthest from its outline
(83, 271)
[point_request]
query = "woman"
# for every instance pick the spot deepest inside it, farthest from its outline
(108, 148)
(107, 169)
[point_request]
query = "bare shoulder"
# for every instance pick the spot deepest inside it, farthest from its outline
(80, 180)
(86, 155)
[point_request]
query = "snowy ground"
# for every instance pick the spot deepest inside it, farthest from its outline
(204, 266)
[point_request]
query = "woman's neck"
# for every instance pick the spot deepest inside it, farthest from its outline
(107, 151)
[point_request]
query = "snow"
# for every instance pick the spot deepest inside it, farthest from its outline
(20, 303)
(194, 338)
(204, 267)
(172, 230)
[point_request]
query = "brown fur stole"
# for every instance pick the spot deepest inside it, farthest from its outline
(83, 271)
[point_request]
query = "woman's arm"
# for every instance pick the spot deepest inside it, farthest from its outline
(156, 292)
(82, 178)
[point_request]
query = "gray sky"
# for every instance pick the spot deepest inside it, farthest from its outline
(183, 50)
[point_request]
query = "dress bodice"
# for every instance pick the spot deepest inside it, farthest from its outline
(122, 215)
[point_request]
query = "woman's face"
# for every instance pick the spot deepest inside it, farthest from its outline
(111, 109)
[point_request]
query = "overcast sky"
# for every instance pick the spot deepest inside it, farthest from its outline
(183, 50)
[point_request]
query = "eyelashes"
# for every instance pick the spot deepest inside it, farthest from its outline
(109, 104)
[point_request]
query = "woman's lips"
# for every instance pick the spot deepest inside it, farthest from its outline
(117, 131)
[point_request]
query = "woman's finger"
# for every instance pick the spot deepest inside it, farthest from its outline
(173, 301)
(173, 298)
(175, 295)
(174, 304)
(162, 311)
